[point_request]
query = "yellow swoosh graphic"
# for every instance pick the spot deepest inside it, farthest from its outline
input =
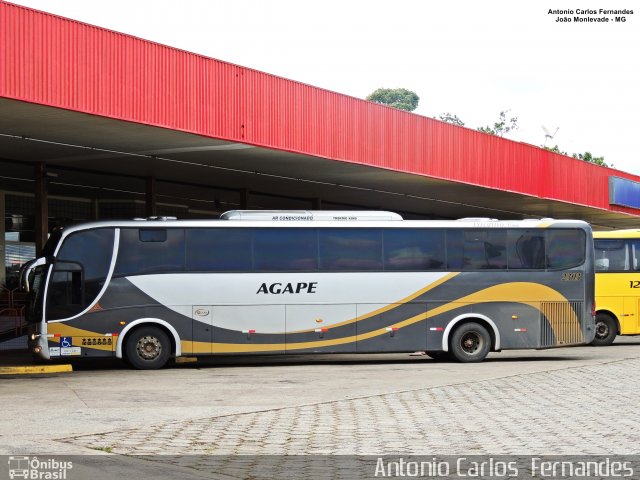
(527, 293)
(391, 306)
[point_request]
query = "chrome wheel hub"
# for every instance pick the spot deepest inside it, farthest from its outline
(148, 347)
(602, 330)
(471, 342)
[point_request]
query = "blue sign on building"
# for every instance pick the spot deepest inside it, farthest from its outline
(624, 192)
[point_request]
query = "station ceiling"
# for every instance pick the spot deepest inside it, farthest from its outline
(82, 150)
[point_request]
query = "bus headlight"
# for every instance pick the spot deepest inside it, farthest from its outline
(37, 349)
(34, 336)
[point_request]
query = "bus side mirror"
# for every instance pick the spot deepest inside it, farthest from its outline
(28, 267)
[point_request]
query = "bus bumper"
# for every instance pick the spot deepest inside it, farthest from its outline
(38, 345)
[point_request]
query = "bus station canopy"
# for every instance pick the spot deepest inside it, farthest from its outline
(104, 111)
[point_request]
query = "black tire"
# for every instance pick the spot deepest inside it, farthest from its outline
(438, 355)
(470, 342)
(147, 348)
(606, 330)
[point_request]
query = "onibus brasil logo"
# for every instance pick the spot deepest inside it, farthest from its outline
(38, 469)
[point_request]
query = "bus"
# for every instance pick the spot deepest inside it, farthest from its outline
(301, 282)
(617, 284)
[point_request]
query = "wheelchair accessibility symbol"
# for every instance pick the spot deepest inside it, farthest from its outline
(65, 342)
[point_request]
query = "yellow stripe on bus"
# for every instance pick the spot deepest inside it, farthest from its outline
(58, 328)
(531, 294)
(528, 293)
(386, 308)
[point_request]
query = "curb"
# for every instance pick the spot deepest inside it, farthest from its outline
(31, 369)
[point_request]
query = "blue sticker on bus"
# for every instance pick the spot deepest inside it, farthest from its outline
(65, 342)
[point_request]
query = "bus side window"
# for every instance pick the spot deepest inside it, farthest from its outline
(526, 249)
(344, 249)
(619, 259)
(635, 254)
(219, 249)
(485, 249)
(454, 247)
(285, 250)
(413, 249)
(562, 248)
(611, 255)
(155, 250)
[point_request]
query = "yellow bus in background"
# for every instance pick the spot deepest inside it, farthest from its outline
(617, 262)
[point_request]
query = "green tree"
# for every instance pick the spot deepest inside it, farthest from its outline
(502, 126)
(450, 118)
(555, 149)
(587, 157)
(396, 97)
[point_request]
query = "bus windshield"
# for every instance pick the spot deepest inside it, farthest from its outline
(79, 272)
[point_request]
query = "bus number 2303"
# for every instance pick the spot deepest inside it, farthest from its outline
(572, 276)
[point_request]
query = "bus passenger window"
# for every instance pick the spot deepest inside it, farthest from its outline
(565, 248)
(485, 249)
(285, 250)
(526, 249)
(414, 249)
(218, 249)
(454, 246)
(350, 249)
(611, 255)
(635, 255)
(153, 235)
(143, 251)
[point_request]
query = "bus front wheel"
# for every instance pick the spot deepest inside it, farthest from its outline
(470, 342)
(148, 348)
(606, 330)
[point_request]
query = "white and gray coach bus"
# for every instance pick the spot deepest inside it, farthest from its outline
(278, 282)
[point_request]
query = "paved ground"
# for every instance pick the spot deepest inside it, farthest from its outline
(566, 401)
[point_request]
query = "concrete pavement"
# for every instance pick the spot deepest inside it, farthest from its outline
(563, 401)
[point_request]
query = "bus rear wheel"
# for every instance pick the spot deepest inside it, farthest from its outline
(606, 330)
(470, 342)
(148, 348)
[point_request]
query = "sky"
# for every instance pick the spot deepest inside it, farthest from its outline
(471, 58)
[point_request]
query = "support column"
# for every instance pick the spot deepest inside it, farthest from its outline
(244, 199)
(95, 209)
(150, 208)
(42, 207)
(3, 248)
